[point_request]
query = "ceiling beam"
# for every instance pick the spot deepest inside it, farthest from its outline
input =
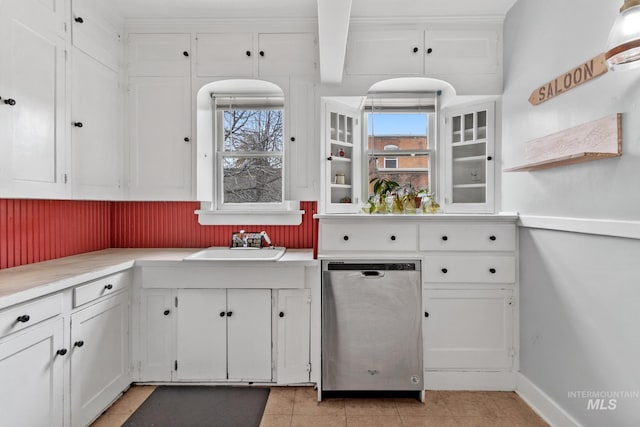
(333, 27)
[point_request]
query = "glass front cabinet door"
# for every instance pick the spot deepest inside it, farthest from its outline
(469, 152)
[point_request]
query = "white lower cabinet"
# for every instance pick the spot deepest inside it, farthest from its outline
(156, 339)
(468, 329)
(294, 309)
(224, 334)
(30, 364)
(99, 357)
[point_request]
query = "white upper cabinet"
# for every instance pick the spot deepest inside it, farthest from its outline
(385, 52)
(94, 34)
(159, 55)
(32, 104)
(96, 132)
(248, 54)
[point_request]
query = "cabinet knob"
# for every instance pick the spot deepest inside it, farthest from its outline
(248, 53)
(77, 124)
(393, 238)
(345, 238)
(489, 158)
(185, 53)
(293, 139)
(187, 139)
(10, 101)
(61, 352)
(444, 271)
(23, 319)
(281, 314)
(262, 53)
(492, 270)
(167, 312)
(222, 314)
(492, 238)
(108, 287)
(78, 343)
(79, 19)
(229, 313)
(415, 50)
(429, 50)
(330, 158)
(445, 238)
(426, 314)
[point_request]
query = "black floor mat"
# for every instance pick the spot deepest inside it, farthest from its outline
(201, 406)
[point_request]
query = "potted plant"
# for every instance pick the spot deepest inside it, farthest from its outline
(382, 187)
(409, 199)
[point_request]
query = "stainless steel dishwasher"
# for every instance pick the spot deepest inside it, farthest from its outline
(371, 326)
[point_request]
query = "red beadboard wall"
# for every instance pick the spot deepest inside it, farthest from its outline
(39, 230)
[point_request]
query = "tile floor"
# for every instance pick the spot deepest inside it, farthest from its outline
(297, 407)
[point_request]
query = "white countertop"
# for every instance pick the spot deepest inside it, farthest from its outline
(22, 283)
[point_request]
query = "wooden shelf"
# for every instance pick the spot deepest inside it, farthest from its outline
(463, 143)
(340, 186)
(470, 186)
(340, 159)
(599, 139)
(470, 159)
(341, 144)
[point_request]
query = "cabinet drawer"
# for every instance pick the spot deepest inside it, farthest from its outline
(99, 288)
(369, 237)
(24, 315)
(469, 269)
(467, 237)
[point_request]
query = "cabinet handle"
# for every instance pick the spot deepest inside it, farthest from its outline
(23, 319)
(187, 139)
(429, 50)
(444, 271)
(489, 158)
(426, 314)
(61, 352)
(415, 50)
(77, 124)
(229, 313)
(393, 238)
(10, 101)
(345, 238)
(281, 314)
(445, 238)
(79, 19)
(185, 53)
(222, 314)
(78, 343)
(492, 238)
(108, 287)
(262, 53)
(293, 139)
(167, 312)
(248, 53)
(492, 270)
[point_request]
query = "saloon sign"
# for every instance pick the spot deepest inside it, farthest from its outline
(583, 73)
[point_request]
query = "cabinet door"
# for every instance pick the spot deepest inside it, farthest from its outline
(160, 138)
(160, 55)
(94, 34)
(157, 335)
(225, 54)
(31, 376)
(468, 329)
(291, 54)
(32, 108)
(249, 334)
(469, 156)
(303, 151)
(293, 335)
(99, 357)
(202, 334)
(384, 52)
(96, 154)
(342, 163)
(461, 52)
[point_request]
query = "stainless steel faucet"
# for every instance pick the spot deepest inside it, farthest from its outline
(267, 240)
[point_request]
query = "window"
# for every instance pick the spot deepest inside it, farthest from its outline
(249, 147)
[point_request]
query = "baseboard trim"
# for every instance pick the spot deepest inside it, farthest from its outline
(542, 404)
(602, 227)
(469, 380)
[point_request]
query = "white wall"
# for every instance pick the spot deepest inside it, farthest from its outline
(580, 293)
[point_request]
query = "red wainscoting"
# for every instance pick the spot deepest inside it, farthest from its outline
(39, 230)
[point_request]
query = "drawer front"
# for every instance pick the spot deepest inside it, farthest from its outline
(469, 269)
(101, 287)
(30, 313)
(467, 237)
(368, 237)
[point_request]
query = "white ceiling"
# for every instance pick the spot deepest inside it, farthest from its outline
(307, 8)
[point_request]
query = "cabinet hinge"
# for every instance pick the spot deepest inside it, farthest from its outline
(309, 367)
(65, 27)
(139, 368)
(175, 365)
(511, 302)
(65, 178)
(512, 353)
(176, 304)
(309, 299)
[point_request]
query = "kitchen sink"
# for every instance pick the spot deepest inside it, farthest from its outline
(237, 254)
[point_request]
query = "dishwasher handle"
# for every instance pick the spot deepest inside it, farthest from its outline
(372, 274)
